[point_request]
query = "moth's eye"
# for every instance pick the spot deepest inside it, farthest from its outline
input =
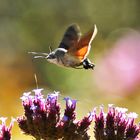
(52, 56)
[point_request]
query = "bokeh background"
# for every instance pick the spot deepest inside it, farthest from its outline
(33, 25)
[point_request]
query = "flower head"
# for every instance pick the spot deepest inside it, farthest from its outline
(5, 131)
(116, 124)
(70, 109)
(42, 118)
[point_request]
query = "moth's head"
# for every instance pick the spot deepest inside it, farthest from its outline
(51, 57)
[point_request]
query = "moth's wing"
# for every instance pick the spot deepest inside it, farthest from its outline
(71, 37)
(84, 44)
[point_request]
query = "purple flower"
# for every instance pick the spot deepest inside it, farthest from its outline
(99, 124)
(5, 131)
(41, 115)
(70, 109)
(132, 130)
(42, 118)
(115, 125)
(84, 124)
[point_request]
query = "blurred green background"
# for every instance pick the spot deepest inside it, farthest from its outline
(33, 25)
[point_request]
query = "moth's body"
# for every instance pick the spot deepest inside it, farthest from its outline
(73, 49)
(62, 58)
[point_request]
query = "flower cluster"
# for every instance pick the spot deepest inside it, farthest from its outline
(5, 131)
(115, 125)
(42, 118)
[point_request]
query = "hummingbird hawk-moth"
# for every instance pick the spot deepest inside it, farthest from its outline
(73, 49)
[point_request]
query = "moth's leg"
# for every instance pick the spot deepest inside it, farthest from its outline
(60, 59)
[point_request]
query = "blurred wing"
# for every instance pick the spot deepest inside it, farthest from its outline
(71, 37)
(84, 44)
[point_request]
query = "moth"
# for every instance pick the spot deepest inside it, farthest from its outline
(73, 49)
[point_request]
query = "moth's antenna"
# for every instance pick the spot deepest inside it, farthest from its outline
(36, 81)
(50, 48)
